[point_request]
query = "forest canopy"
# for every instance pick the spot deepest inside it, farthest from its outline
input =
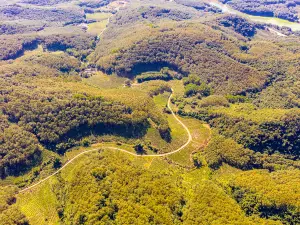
(152, 112)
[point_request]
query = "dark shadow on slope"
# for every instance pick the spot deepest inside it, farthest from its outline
(73, 137)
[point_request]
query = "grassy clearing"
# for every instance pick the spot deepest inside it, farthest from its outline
(162, 100)
(105, 81)
(60, 30)
(199, 132)
(98, 16)
(178, 87)
(39, 205)
(178, 134)
(201, 135)
(183, 157)
(70, 172)
(160, 165)
(225, 174)
(97, 27)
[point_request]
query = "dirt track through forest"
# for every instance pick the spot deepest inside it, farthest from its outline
(122, 150)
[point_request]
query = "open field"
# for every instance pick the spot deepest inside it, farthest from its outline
(98, 16)
(105, 81)
(97, 27)
(201, 136)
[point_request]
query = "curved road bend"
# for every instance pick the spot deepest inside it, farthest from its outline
(122, 150)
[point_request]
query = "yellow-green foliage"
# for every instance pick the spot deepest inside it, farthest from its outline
(273, 195)
(13, 216)
(200, 43)
(225, 150)
(249, 112)
(7, 196)
(60, 61)
(97, 27)
(279, 188)
(13, 45)
(210, 205)
(98, 16)
(244, 171)
(262, 130)
(114, 188)
(42, 199)
(102, 80)
(154, 88)
(281, 59)
(45, 87)
(9, 212)
(201, 135)
(214, 100)
(142, 106)
(178, 134)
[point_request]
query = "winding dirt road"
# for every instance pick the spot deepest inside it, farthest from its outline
(121, 150)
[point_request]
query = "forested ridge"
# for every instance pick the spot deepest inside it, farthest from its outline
(43, 99)
(180, 48)
(263, 136)
(13, 12)
(59, 119)
(153, 112)
(78, 45)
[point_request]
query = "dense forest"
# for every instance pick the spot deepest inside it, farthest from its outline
(179, 48)
(58, 119)
(265, 136)
(153, 112)
(200, 6)
(14, 12)
(78, 45)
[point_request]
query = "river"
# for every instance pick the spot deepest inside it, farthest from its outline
(262, 19)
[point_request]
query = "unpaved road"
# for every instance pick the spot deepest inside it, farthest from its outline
(121, 150)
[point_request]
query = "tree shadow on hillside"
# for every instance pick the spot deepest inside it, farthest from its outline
(72, 138)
